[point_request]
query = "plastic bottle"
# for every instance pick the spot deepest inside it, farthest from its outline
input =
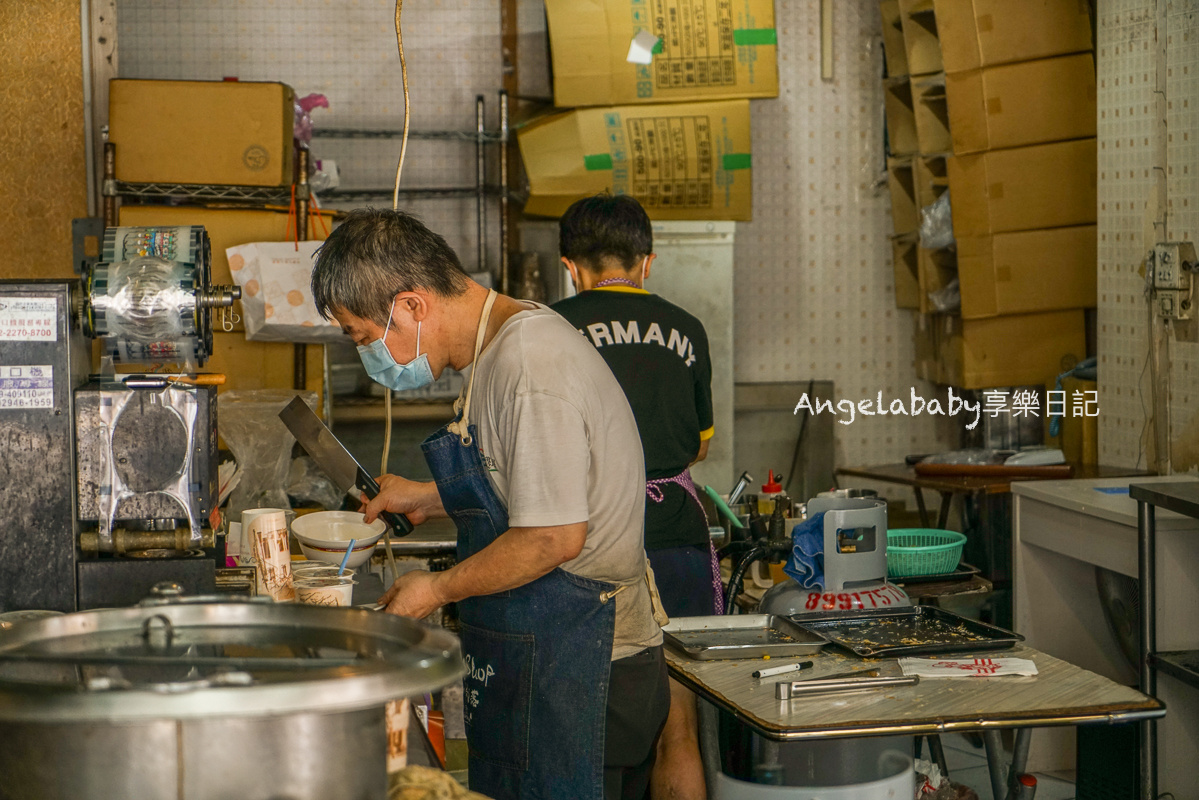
(772, 490)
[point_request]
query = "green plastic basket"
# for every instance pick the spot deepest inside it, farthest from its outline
(923, 551)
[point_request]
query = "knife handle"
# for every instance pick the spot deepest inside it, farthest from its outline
(400, 524)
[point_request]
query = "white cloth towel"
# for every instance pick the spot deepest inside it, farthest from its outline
(966, 667)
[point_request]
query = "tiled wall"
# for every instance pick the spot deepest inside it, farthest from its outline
(1127, 63)
(814, 295)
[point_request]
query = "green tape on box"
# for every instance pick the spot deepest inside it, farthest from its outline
(734, 161)
(598, 161)
(746, 36)
(658, 47)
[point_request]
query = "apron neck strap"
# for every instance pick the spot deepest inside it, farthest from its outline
(461, 425)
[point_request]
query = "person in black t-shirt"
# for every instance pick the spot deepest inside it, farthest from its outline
(659, 354)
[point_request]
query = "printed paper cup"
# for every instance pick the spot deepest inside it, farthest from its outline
(325, 591)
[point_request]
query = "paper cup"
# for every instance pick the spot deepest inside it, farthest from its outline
(325, 591)
(313, 569)
(265, 529)
(397, 735)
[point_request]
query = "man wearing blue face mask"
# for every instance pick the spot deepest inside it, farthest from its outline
(542, 473)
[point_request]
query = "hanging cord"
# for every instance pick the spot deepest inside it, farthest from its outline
(395, 205)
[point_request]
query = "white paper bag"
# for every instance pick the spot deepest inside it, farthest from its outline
(276, 292)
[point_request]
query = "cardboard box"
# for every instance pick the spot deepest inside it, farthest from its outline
(263, 365)
(1015, 105)
(682, 161)
(904, 261)
(901, 180)
(1016, 273)
(226, 227)
(893, 51)
(932, 114)
(214, 132)
(1079, 435)
(1026, 188)
(920, 37)
(900, 116)
(931, 175)
(926, 364)
(934, 271)
(1021, 350)
(983, 33)
(706, 50)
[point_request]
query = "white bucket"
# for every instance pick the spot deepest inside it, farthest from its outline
(897, 782)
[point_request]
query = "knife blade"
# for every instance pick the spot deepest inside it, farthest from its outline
(332, 457)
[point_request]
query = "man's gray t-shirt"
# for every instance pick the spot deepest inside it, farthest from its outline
(561, 446)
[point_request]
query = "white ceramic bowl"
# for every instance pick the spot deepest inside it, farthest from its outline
(323, 536)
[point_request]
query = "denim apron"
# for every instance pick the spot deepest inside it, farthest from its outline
(537, 657)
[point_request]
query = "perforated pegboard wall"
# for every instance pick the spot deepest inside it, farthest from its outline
(1127, 65)
(346, 50)
(814, 288)
(814, 291)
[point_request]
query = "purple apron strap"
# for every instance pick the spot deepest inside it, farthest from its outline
(653, 489)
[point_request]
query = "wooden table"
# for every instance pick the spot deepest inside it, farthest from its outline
(1060, 694)
(949, 485)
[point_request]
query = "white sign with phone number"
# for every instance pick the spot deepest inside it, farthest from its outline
(28, 319)
(27, 386)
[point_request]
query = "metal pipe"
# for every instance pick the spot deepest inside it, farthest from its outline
(994, 747)
(300, 350)
(1147, 573)
(505, 256)
(109, 187)
(480, 184)
(127, 541)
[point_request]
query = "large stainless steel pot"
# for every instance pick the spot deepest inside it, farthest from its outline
(204, 699)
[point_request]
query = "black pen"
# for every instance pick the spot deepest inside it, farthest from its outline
(766, 673)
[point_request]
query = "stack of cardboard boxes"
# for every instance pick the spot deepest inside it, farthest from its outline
(996, 105)
(661, 95)
(215, 133)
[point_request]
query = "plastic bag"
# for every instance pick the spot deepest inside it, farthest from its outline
(250, 425)
(308, 483)
(969, 456)
(947, 299)
(276, 302)
(302, 129)
(936, 224)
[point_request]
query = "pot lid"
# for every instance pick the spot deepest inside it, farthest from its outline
(177, 658)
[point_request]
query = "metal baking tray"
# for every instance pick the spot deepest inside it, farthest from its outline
(913, 631)
(740, 636)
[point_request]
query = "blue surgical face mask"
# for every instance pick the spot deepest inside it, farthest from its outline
(384, 369)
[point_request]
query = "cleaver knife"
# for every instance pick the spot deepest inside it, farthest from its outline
(332, 456)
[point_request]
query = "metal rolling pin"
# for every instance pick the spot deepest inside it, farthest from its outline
(787, 690)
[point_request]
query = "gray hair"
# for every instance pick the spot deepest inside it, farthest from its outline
(375, 254)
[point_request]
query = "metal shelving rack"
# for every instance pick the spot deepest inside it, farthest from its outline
(1181, 498)
(481, 137)
(113, 190)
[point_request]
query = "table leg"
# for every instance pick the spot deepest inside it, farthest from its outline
(995, 765)
(937, 753)
(924, 521)
(1004, 774)
(1147, 572)
(943, 512)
